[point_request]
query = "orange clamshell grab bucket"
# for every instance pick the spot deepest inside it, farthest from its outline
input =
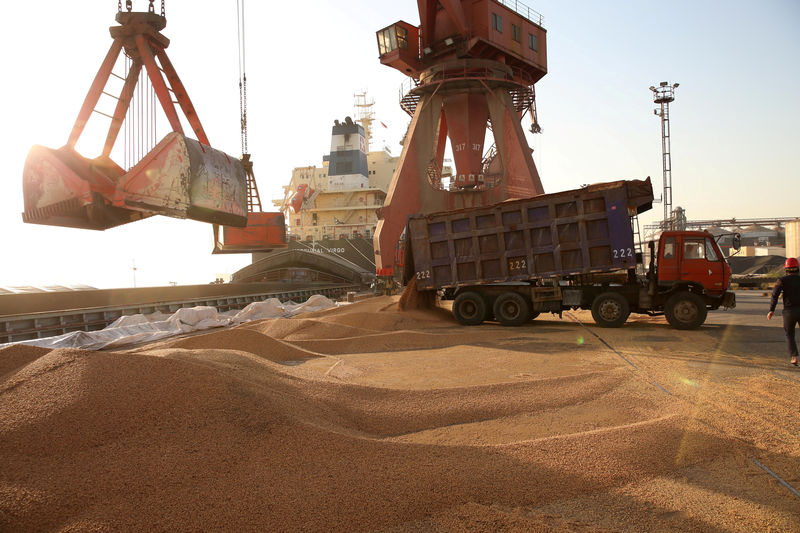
(179, 178)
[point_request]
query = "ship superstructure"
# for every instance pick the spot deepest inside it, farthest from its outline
(339, 198)
(331, 210)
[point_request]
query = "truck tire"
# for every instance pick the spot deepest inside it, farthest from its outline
(511, 309)
(469, 308)
(685, 310)
(610, 310)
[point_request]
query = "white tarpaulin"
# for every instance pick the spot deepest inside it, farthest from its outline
(134, 329)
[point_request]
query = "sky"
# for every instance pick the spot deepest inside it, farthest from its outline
(735, 121)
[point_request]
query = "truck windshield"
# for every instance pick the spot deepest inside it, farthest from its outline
(711, 255)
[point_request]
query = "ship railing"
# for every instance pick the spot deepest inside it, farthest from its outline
(335, 231)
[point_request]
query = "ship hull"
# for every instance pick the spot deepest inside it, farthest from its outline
(323, 260)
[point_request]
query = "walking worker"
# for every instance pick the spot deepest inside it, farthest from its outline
(789, 285)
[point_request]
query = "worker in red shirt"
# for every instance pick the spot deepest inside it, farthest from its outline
(789, 285)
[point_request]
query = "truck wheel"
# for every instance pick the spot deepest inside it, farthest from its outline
(610, 310)
(469, 308)
(685, 310)
(511, 309)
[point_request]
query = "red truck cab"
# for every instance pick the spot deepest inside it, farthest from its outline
(692, 258)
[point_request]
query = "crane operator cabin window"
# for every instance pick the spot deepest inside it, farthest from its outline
(497, 22)
(516, 33)
(392, 38)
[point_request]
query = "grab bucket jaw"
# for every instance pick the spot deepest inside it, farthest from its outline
(183, 178)
(62, 188)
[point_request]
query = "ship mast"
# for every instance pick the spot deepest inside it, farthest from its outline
(365, 115)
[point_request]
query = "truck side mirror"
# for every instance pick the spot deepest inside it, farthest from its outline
(737, 241)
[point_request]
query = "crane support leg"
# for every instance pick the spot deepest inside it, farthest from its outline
(409, 190)
(415, 188)
(521, 178)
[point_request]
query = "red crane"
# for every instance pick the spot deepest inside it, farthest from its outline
(472, 66)
(179, 177)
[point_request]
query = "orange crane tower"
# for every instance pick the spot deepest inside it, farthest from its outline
(472, 65)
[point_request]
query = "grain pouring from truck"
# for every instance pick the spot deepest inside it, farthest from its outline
(569, 250)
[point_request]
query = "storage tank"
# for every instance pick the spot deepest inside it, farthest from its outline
(793, 238)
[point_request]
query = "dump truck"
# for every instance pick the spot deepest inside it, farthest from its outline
(575, 249)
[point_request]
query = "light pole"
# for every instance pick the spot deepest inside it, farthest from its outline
(663, 95)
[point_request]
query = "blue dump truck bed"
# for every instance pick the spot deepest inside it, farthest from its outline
(581, 231)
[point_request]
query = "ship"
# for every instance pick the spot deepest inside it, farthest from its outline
(331, 210)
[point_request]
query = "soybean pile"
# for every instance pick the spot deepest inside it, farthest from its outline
(369, 418)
